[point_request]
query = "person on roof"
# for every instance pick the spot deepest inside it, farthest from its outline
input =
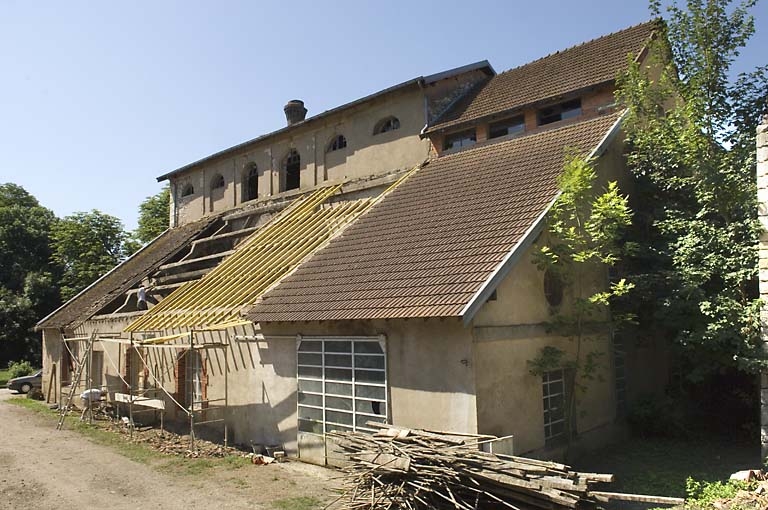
(141, 297)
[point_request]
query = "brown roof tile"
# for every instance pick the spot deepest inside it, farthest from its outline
(123, 277)
(429, 246)
(588, 64)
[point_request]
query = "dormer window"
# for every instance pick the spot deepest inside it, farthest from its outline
(339, 142)
(387, 124)
(560, 111)
(507, 127)
(187, 190)
(466, 138)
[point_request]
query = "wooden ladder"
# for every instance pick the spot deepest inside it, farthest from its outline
(75, 380)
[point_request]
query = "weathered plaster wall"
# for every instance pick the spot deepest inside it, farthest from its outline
(430, 376)
(511, 331)
(365, 155)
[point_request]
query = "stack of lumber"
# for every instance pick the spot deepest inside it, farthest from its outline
(419, 469)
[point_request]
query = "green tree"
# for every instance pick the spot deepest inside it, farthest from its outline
(86, 245)
(691, 139)
(154, 214)
(586, 226)
(28, 288)
(25, 228)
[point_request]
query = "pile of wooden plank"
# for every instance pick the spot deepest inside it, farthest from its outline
(418, 469)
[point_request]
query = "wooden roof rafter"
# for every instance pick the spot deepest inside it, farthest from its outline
(270, 253)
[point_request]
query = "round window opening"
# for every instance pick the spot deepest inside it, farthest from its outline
(553, 288)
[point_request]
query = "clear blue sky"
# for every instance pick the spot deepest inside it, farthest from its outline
(99, 98)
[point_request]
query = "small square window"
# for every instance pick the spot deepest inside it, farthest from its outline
(561, 111)
(461, 139)
(507, 127)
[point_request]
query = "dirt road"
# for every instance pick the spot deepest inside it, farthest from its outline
(43, 468)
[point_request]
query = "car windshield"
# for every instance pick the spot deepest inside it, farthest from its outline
(39, 373)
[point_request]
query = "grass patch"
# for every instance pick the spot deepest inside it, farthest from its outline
(193, 467)
(31, 404)
(662, 466)
(189, 467)
(5, 376)
(299, 503)
(235, 462)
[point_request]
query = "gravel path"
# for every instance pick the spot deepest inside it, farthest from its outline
(43, 468)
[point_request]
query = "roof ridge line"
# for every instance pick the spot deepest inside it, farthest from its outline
(575, 46)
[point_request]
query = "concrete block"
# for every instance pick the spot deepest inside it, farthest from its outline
(762, 153)
(762, 195)
(762, 128)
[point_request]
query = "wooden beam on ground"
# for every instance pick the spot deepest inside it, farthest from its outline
(640, 498)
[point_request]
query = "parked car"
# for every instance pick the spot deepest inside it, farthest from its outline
(26, 383)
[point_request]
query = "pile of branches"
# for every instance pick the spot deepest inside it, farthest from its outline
(418, 469)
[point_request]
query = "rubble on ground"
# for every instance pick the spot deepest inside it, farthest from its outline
(170, 443)
(754, 497)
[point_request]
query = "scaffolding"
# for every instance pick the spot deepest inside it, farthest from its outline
(140, 399)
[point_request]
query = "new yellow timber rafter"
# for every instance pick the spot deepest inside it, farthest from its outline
(205, 292)
(259, 263)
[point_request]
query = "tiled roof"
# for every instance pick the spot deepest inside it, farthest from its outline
(588, 64)
(123, 277)
(428, 247)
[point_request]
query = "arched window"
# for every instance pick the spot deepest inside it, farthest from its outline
(187, 190)
(553, 288)
(217, 182)
(291, 170)
(337, 143)
(217, 190)
(386, 124)
(250, 183)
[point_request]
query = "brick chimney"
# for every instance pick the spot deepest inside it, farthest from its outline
(295, 111)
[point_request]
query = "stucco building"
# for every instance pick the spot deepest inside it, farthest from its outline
(373, 262)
